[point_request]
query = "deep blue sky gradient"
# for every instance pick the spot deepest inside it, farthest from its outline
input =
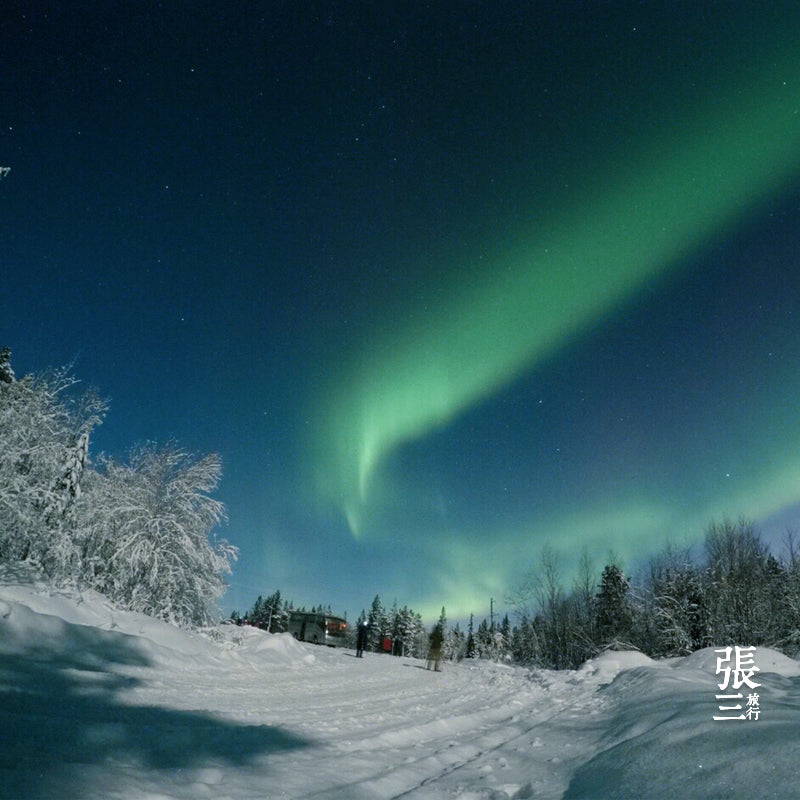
(218, 210)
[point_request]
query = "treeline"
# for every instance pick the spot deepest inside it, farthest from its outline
(400, 631)
(735, 592)
(138, 531)
(272, 613)
(402, 628)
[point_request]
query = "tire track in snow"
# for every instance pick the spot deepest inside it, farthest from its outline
(384, 727)
(489, 711)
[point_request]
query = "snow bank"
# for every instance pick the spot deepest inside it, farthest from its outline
(767, 660)
(101, 704)
(661, 740)
(160, 642)
(247, 644)
(89, 608)
(610, 663)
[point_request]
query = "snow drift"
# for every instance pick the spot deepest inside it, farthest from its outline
(100, 703)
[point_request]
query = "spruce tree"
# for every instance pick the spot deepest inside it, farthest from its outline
(436, 642)
(378, 622)
(614, 611)
(6, 373)
(483, 640)
(470, 651)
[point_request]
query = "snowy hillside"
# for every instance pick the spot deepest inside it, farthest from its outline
(98, 703)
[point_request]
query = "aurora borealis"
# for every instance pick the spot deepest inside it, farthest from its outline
(441, 286)
(573, 269)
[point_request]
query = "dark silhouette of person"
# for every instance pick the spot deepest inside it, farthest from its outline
(435, 643)
(361, 639)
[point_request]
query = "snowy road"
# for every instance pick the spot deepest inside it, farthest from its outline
(384, 727)
(98, 704)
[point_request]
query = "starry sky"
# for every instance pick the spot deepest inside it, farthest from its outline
(441, 282)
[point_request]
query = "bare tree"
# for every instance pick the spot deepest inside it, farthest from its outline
(738, 585)
(542, 606)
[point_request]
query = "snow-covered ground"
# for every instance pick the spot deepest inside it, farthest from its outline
(98, 703)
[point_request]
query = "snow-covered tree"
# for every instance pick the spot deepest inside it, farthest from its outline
(44, 430)
(483, 640)
(68, 486)
(673, 610)
(418, 636)
(406, 627)
(146, 533)
(137, 532)
(6, 372)
(270, 614)
(436, 641)
(525, 644)
(455, 643)
(264, 613)
(789, 593)
(469, 648)
(737, 582)
(379, 624)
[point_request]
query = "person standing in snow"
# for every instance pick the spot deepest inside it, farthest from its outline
(435, 642)
(361, 639)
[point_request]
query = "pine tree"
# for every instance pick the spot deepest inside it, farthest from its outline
(470, 650)
(614, 612)
(405, 631)
(255, 616)
(6, 373)
(419, 635)
(273, 607)
(483, 640)
(379, 627)
(525, 647)
(270, 613)
(436, 642)
(675, 618)
(502, 640)
(454, 644)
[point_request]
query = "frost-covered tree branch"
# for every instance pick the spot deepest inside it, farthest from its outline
(142, 532)
(146, 535)
(44, 429)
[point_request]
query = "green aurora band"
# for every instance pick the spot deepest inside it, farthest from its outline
(580, 263)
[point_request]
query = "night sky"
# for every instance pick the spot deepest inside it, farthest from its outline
(442, 283)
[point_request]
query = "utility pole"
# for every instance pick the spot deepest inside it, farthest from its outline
(491, 614)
